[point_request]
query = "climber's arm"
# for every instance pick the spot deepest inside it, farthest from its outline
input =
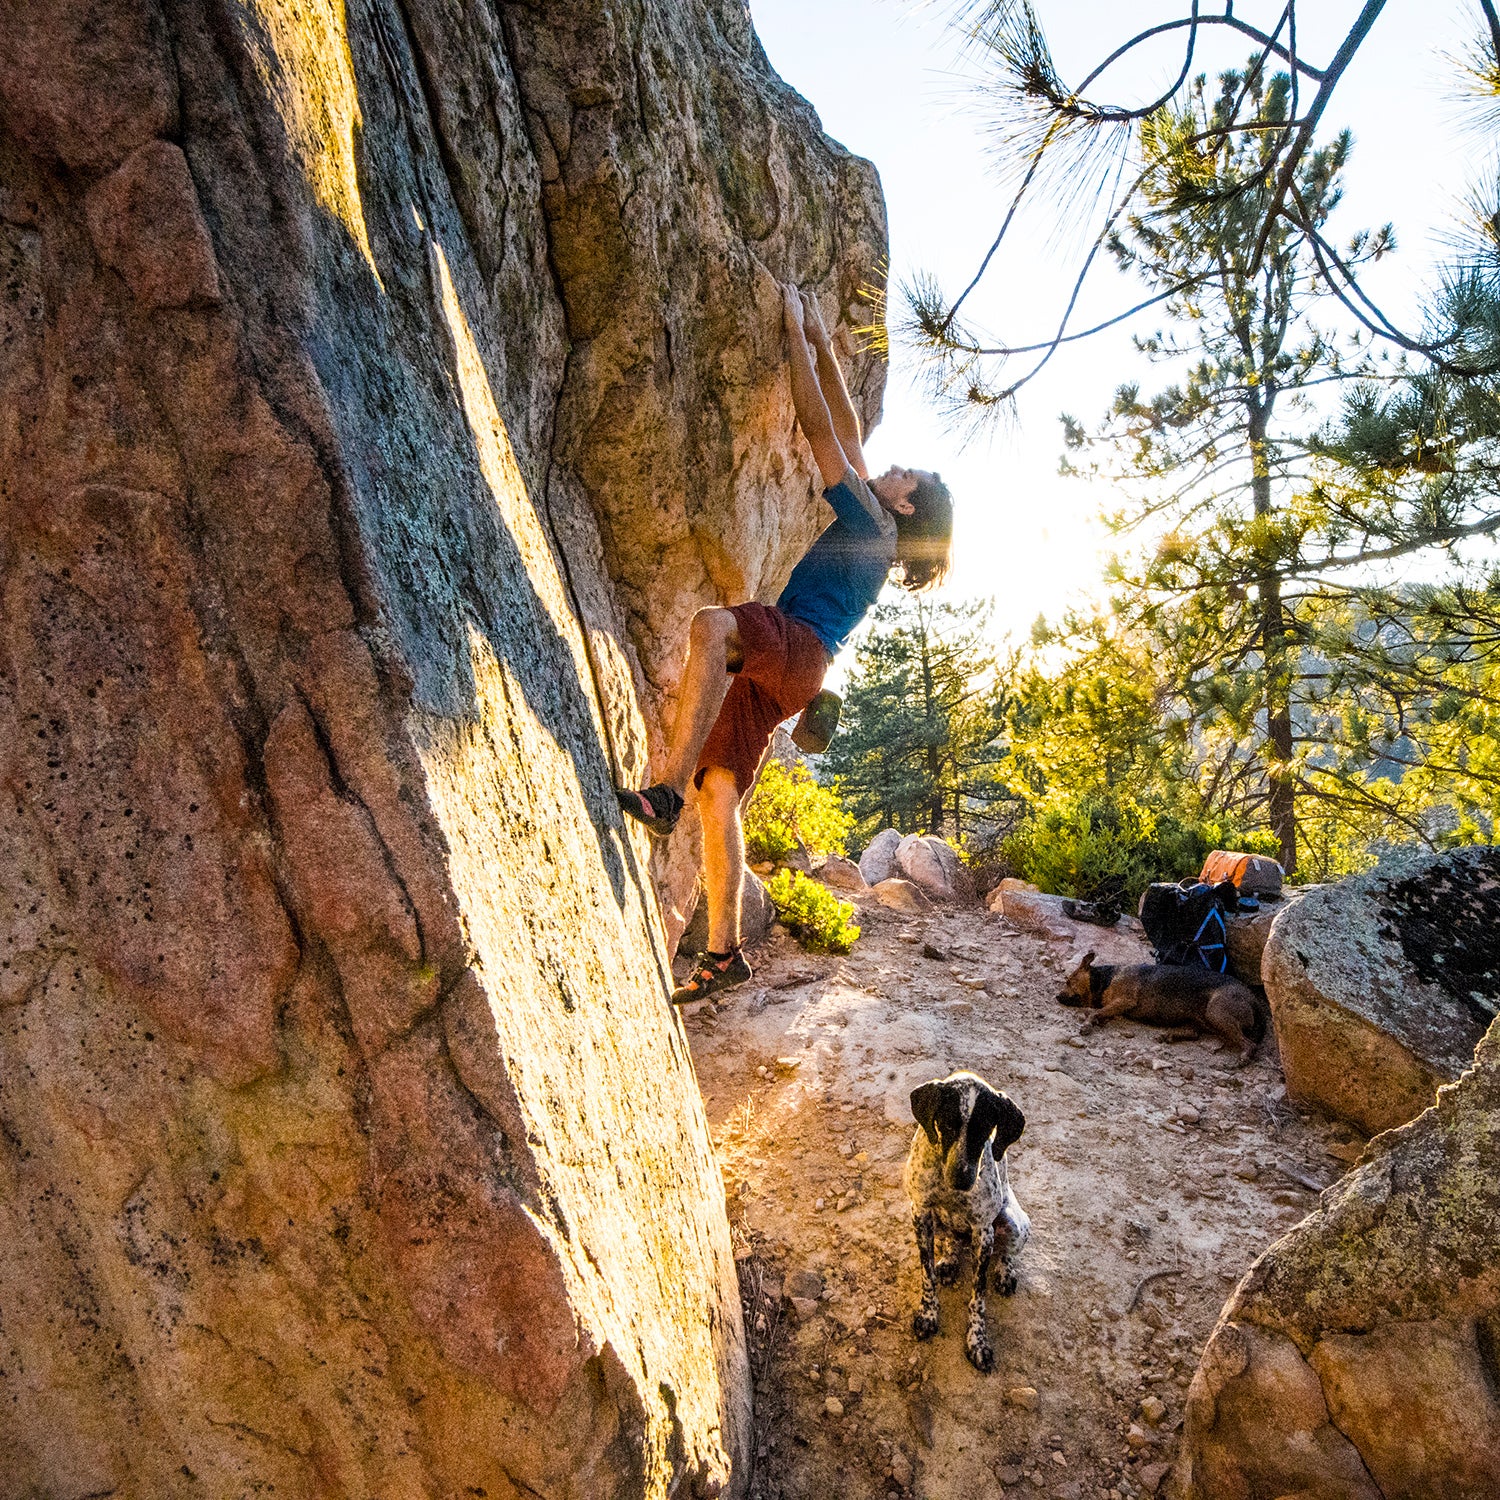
(835, 392)
(807, 395)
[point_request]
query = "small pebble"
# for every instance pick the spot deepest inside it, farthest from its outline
(834, 1407)
(1023, 1396)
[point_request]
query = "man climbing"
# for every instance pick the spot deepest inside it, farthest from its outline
(751, 666)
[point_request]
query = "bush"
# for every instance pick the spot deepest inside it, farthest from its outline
(1089, 847)
(812, 913)
(1098, 846)
(788, 807)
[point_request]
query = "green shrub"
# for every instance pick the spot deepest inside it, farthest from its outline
(789, 806)
(812, 913)
(1097, 845)
(1087, 846)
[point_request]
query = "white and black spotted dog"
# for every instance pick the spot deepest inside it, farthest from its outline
(956, 1180)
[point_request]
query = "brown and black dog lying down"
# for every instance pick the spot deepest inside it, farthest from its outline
(1168, 995)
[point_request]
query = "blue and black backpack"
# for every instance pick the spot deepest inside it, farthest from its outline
(1185, 923)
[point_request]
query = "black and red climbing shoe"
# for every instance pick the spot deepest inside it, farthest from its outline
(712, 972)
(658, 807)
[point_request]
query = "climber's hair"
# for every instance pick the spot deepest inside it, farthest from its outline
(924, 539)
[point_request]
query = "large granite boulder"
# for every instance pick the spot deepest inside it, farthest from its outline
(1024, 906)
(1360, 1357)
(1381, 985)
(381, 390)
(898, 895)
(842, 875)
(1247, 932)
(878, 862)
(934, 865)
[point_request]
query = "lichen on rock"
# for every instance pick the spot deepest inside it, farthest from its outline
(1358, 1357)
(1368, 1022)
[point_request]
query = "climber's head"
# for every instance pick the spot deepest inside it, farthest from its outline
(923, 508)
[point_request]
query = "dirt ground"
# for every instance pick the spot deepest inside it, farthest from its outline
(1153, 1175)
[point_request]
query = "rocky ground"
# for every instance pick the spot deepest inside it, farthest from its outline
(1152, 1173)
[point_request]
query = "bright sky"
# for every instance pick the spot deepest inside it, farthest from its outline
(888, 80)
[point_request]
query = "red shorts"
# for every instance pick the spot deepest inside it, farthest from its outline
(784, 665)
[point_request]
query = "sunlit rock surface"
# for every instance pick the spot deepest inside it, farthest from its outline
(1360, 1358)
(1380, 986)
(381, 390)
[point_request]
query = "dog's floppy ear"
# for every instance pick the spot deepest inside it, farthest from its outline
(999, 1114)
(924, 1107)
(1083, 964)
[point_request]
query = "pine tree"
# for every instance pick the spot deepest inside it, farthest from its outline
(1213, 462)
(919, 749)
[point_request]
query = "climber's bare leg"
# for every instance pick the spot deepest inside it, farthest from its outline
(713, 653)
(723, 856)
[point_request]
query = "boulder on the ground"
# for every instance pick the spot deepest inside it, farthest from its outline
(1358, 1358)
(1381, 985)
(1248, 931)
(1024, 906)
(933, 864)
(901, 895)
(878, 862)
(757, 917)
(841, 874)
(796, 858)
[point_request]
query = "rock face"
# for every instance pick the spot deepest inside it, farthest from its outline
(381, 390)
(1360, 1357)
(933, 865)
(1381, 985)
(878, 862)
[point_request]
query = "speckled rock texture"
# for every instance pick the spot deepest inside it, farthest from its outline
(382, 386)
(1380, 986)
(1360, 1357)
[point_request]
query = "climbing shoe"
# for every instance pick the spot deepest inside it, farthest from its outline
(813, 731)
(712, 972)
(658, 807)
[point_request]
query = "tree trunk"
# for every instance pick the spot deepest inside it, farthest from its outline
(929, 718)
(1278, 667)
